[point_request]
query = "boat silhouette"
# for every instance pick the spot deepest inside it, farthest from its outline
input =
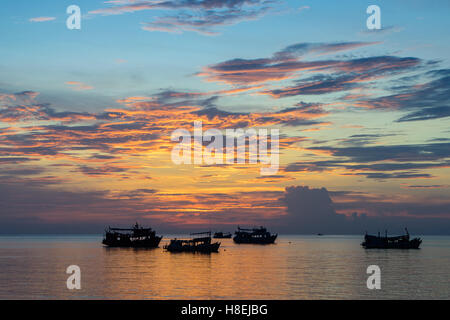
(202, 243)
(136, 237)
(255, 236)
(222, 235)
(398, 242)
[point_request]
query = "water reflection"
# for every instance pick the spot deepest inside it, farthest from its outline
(297, 267)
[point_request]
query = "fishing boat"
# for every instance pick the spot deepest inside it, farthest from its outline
(137, 237)
(222, 235)
(398, 242)
(201, 242)
(256, 235)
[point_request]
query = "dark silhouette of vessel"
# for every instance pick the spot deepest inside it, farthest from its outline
(136, 237)
(256, 236)
(201, 244)
(222, 235)
(398, 242)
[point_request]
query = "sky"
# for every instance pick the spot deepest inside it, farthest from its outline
(86, 115)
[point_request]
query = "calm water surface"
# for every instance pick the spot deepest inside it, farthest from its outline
(297, 267)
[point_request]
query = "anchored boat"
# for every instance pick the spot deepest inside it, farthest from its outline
(222, 235)
(398, 242)
(256, 235)
(136, 236)
(201, 243)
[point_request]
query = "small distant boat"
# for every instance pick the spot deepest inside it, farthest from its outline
(137, 237)
(255, 236)
(222, 235)
(320, 234)
(202, 243)
(398, 242)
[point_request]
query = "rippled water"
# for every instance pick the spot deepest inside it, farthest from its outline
(297, 267)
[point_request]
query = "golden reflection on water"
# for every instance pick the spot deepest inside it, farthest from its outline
(297, 267)
(240, 271)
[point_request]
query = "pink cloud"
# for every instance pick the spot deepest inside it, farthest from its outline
(79, 86)
(42, 19)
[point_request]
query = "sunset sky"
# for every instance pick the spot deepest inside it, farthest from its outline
(86, 115)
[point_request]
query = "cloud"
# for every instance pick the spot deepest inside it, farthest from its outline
(79, 86)
(377, 171)
(432, 186)
(364, 139)
(348, 75)
(41, 19)
(427, 114)
(423, 101)
(21, 171)
(24, 97)
(200, 16)
(58, 210)
(379, 162)
(316, 87)
(413, 152)
(305, 48)
(15, 160)
(302, 8)
(289, 63)
(127, 6)
(141, 126)
(203, 22)
(104, 170)
(120, 142)
(310, 209)
(313, 211)
(401, 175)
(384, 208)
(299, 209)
(23, 106)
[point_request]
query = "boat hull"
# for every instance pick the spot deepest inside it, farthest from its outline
(228, 236)
(253, 240)
(130, 243)
(383, 243)
(203, 248)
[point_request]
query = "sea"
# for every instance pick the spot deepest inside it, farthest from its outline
(296, 267)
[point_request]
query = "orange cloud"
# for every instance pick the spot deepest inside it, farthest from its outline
(79, 86)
